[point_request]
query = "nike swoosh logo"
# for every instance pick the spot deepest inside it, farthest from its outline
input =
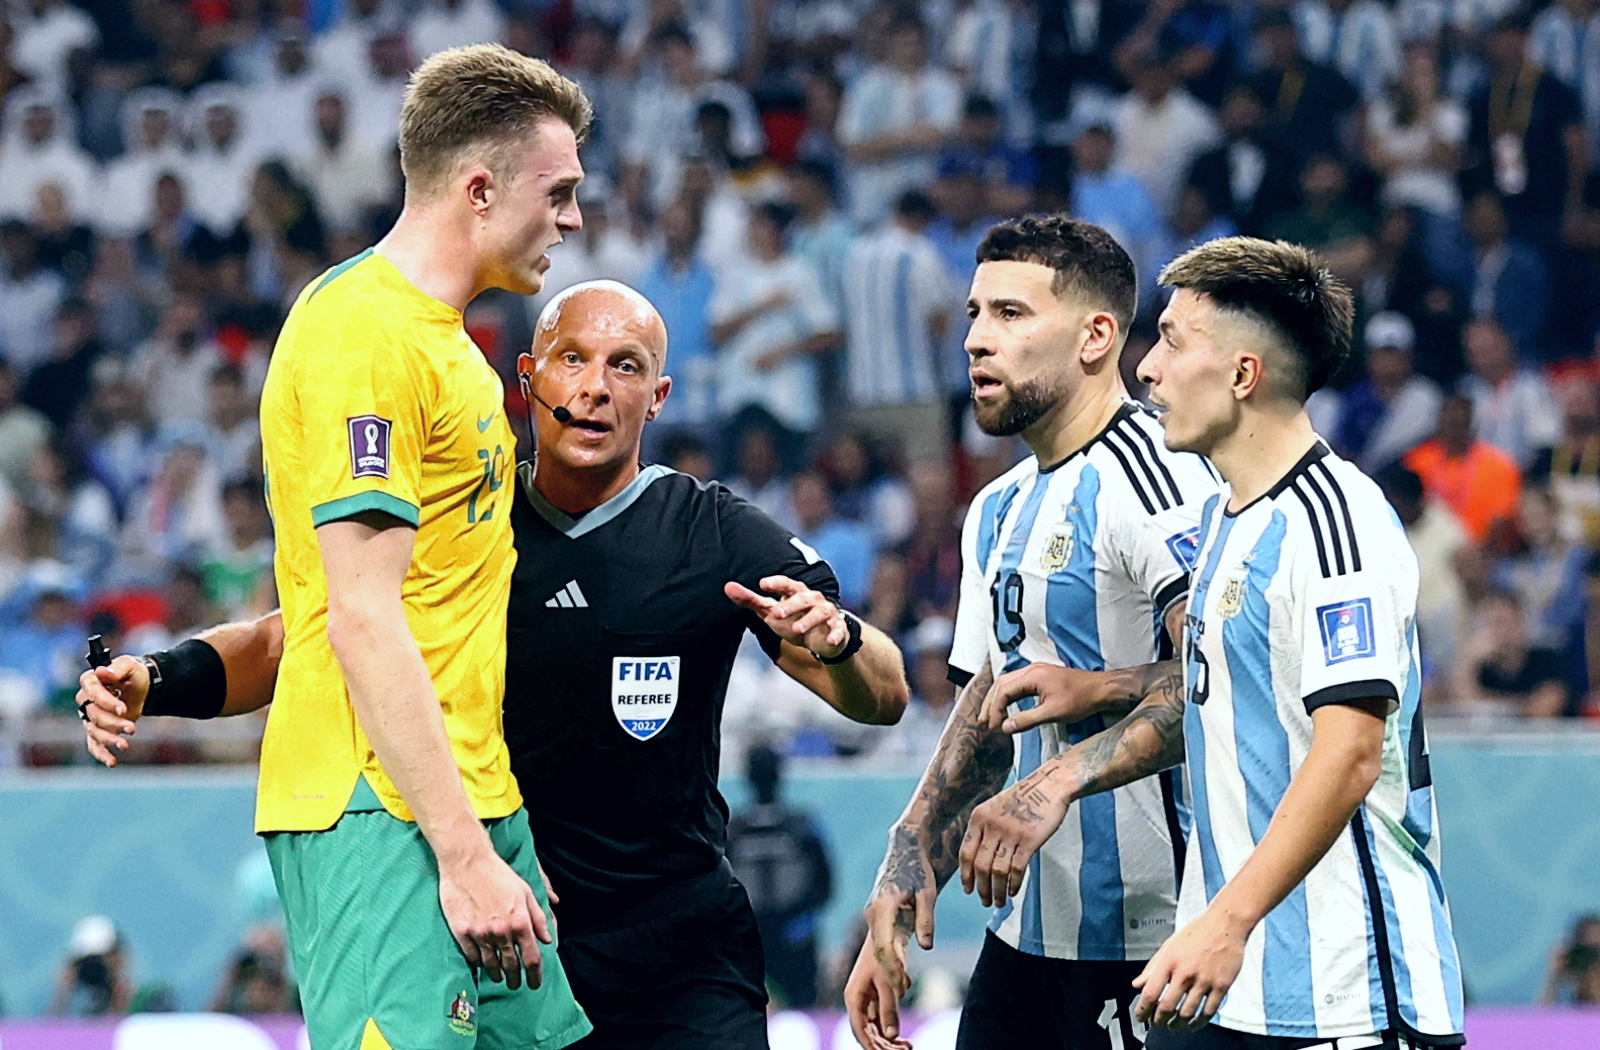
(483, 424)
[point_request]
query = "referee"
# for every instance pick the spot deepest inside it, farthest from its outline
(632, 590)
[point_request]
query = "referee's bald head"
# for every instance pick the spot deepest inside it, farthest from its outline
(604, 308)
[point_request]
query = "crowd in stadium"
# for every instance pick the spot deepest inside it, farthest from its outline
(799, 186)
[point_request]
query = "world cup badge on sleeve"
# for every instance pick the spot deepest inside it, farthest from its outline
(369, 446)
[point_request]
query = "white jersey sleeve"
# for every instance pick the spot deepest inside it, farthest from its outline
(974, 625)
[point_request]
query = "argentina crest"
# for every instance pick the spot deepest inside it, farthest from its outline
(644, 693)
(1057, 548)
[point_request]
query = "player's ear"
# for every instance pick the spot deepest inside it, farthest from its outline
(481, 189)
(1247, 375)
(1101, 333)
(663, 388)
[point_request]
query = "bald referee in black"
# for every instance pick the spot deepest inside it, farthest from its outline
(633, 587)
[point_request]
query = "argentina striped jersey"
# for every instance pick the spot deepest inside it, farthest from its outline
(1303, 598)
(1076, 565)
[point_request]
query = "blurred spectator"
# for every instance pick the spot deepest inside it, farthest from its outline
(844, 545)
(1526, 138)
(235, 439)
(1306, 101)
(915, 737)
(23, 430)
(1356, 37)
(1564, 41)
(439, 24)
(115, 431)
(1109, 195)
(1437, 538)
(184, 612)
(680, 284)
(72, 506)
(1325, 218)
(819, 234)
(238, 573)
(49, 35)
(278, 108)
(759, 476)
(60, 383)
(824, 95)
(1479, 483)
(591, 60)
(176, 363)
(989, 47)
(894, 118)
(897, 298)
(604, 249)
(377, 91)
(662, 121)
(93, 981)
(163, 247)
(866, 490)
(778, 854)
(46, 650)
(687, 454)
(978, 150)
(346, 175)
(1511, 403)
(257, 980)
(1572, 467)
(932, 553)
(66, 245)
(178, 514)
(1503, 672)
(1393, 410)
(31, 295)
(1546, 574)
(224, 157)
(1508, 277)
(41, 149)
(1194, 36)
(1242, 178)
(1161, 129)
(769, 319)
(1574, 975)
(1413, 138)
(343, 49)
(124, 294)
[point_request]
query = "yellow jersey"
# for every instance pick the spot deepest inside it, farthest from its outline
(377, 400)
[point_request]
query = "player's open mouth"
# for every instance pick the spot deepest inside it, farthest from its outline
(983, 385)
(593, 426)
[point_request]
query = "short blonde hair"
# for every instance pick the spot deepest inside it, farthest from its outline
(483, 97)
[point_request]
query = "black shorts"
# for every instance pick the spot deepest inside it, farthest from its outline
(1021, 1000)
(679, 974)
(1214, 1037)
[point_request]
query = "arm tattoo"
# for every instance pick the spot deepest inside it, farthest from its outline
(1147, 741)
(969, 766)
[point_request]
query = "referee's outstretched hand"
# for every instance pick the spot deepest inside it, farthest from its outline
(495, 918)
(1062, 694)
(798, 614)
(110, 700)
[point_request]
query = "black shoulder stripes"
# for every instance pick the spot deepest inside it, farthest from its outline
(1147, 472)
(1332, 527)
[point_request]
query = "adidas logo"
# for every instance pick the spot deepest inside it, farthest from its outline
(568, 597)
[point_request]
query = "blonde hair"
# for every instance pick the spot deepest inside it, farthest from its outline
(483, 98)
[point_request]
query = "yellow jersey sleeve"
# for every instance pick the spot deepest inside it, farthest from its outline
(365, 422)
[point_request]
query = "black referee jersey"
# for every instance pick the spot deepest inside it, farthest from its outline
(619, 648)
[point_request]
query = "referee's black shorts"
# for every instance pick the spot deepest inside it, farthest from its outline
(1019, 1000)
(682, 971)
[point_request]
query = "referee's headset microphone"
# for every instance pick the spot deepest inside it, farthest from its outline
(558, 412)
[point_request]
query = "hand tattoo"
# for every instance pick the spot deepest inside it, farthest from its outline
(1147, 741)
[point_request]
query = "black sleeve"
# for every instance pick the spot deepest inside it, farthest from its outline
(757, 547)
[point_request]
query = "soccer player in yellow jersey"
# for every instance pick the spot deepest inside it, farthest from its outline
(386, 797)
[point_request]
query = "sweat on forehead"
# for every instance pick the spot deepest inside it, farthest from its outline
(603, 307)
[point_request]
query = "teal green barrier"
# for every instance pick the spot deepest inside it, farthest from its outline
(161, 852)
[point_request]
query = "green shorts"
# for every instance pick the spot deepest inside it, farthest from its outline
(377, 965)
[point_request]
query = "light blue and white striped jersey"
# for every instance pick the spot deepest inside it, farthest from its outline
(895, 283)
(1076, 565)
(1307, 597)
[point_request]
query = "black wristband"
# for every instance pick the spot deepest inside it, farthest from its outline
(851, 647)
(192, 682)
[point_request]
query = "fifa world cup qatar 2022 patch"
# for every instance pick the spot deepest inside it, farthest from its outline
(369, 446)
(644, 693)
(1346, 630)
